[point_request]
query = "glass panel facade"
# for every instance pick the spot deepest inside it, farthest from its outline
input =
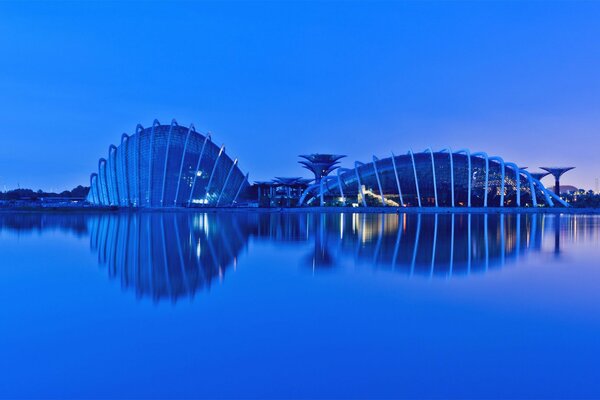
(158, 167)
(458, 168)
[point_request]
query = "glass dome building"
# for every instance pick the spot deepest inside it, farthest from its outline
(166, 166)
(432, 179)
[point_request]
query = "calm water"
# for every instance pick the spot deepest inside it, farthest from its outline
(299, 305)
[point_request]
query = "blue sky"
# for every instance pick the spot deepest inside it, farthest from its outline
(274, 80)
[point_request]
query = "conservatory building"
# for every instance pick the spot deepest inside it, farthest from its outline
(432, 179)
(166, 166)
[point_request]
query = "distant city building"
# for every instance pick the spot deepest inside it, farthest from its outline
(166, 166)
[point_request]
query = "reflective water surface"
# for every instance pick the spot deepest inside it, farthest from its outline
(257, 305)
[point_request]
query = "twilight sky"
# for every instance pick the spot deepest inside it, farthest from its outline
(274, 80)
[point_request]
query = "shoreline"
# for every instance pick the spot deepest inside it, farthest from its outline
(301, 210)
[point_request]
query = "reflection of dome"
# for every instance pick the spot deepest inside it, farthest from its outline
(426, 244)
(166, 255)
(166, 166)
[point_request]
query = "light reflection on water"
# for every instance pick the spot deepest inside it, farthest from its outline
(173, 255)
(307, 306)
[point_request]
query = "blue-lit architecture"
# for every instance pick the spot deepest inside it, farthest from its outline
(176, 166)
(321, 165)
(167, 166)
(432, 179)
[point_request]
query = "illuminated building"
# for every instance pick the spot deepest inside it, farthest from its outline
(166, 166)
(432, 179)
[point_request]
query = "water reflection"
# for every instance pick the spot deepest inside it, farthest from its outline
(174, 255)
(167, 255)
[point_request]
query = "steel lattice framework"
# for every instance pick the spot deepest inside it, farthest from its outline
(444, 178)
(166, 166)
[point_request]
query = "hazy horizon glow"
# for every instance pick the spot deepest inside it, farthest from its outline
(274, 80)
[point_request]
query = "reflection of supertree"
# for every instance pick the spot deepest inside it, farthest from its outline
(167, 255)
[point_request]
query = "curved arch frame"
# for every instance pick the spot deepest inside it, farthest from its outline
(94, 188)
(531, 187)
(124, 174)
(433, 172)
(103, 182)
(500, 161)
(375, 159)
(150, 163)
(167, 150)
(487, 174)
(226, 180)
(412, 157)
(183, 154)
(138, 149)
(467, 153)
(112, 162)
(517, 171)
(212, 173)
(449, 150)
(206, 139)
(359, 183)
(397, 179)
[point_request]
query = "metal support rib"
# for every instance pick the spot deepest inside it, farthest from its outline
(227, 180)
(125, 177)
(451, 173)
(339, 179)
(240, 188)
(515, 167)
(433, 172)
(112, 157)
(183, 154)
(120, 156)
(100, 184)
(503, 176)
(469, 174)
(362, 194)
(206, 139)
(544, 191)
(412, 157)
(557, 198)
(138, 141)
(375, 159)
(531, 187)
(321, 199)
(397, 179)
(306, 192)
(105, 192)
(164, 183)
(93, 190)
(487, 175)
(150, 162)
(212, 173)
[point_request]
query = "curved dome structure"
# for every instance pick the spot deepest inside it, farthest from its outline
(433, 179)
(166, 166)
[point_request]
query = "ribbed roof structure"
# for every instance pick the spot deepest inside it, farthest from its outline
(433, 179)
(166, 166)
